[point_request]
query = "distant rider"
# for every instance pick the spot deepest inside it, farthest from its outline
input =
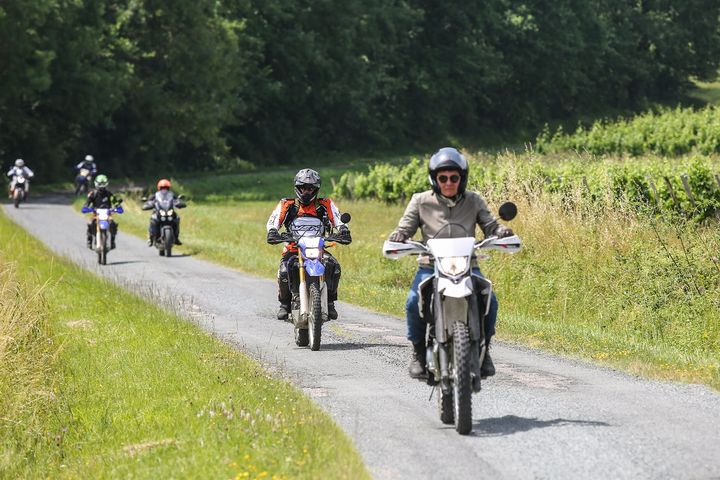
(101, 197)
(163, 193)
(19, 169)
(447, 202)
(88, 164)
(286, 213)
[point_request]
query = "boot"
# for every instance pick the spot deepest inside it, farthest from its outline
(283, 312)
(151, 241)
(487, 369)
(89, 242)
(332, 313)
(177, 241)
(417, 361)
(112, 243)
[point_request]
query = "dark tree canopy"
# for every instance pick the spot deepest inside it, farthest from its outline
(151, 85)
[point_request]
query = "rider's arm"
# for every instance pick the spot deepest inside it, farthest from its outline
(487, 221)
(335, 215)
(410, 221)
(274, 220)
(29, 172)
(11, 172)
(90, 198)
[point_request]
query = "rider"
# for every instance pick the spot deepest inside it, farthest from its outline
(19, 169)
(101, 197)
(163, 191)
(89, 164)
(306, 203)
(447, 202)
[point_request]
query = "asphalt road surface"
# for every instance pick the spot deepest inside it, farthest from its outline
(541, 416)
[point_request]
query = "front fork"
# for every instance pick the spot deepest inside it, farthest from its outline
(305, 306)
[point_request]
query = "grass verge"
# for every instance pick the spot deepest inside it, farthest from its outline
(98, 383)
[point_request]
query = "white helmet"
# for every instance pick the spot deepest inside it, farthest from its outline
(19, 163)
(89, 158)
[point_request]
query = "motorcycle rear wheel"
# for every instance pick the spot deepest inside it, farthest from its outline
(462, 379)
(315, 320)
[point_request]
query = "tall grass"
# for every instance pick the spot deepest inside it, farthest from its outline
(28, 370)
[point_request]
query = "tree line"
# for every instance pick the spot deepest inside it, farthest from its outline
(151, 85)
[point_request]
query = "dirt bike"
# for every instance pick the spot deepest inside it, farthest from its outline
(19, 191)
(164, 210)
(309, 306)
(83, 181)
(454, 301)
(102, 218)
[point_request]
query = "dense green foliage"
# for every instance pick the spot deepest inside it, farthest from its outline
(146, 85)
(666, 132)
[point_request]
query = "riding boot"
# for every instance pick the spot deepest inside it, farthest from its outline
(417, 361)
(283, 312)
(487, 369)
(332, 313)
(112, 242)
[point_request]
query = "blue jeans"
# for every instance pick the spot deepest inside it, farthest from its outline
(417, 326)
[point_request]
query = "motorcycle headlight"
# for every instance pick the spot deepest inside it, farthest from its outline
(454, 265)
(162, 213)
(312, 252)
(170, 212)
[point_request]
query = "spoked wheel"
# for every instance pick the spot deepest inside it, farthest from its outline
(102, 251)
(462, 379)
(302, 337)
(315, 320)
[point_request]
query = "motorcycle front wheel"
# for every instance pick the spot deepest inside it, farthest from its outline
(462, 378)
(17, 197)
(315, 320)
(102, 251)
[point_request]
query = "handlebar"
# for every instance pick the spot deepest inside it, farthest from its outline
(117, 209)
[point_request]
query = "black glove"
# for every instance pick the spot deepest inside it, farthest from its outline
(397, 237)
(274, 237)
(502, 231)
(343, 235)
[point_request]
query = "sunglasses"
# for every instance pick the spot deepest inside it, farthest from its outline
(451, 178)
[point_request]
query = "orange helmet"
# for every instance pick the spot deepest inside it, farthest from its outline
(164, 183)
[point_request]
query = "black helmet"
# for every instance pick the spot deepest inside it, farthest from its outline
(448, 158)
(303, 178)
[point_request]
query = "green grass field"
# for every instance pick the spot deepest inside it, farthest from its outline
(601, 285)
(97, 383)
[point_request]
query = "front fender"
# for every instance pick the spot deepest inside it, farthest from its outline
(104, 224)
(314, 267)
(461, 289)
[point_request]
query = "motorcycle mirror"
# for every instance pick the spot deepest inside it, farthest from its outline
(508, 211)
(144, 199)
(181, 196)
(119, 201)
(345, 217)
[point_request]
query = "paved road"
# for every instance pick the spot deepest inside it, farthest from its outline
(540, 417)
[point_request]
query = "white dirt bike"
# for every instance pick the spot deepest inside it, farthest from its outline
(19, 192)
(455, 301)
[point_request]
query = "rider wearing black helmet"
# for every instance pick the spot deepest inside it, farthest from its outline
(446, 202)
(305, 203)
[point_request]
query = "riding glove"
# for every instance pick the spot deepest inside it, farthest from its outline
(274, 237)
(343, 235)
(397, 237)
(502, 231)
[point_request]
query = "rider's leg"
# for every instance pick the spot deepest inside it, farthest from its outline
(113, 232)
(152, 230)
(176, 227)
(284, 293)
(416, 326)
(332, 280)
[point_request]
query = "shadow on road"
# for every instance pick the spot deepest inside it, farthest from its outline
(510, 424)
(357, 346)
(49, 199)
(126, 262)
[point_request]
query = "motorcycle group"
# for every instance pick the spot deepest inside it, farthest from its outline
(451, 309)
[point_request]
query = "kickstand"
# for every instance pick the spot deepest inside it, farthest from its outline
(432, 390)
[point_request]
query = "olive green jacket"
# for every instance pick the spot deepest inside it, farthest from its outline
(431, 213)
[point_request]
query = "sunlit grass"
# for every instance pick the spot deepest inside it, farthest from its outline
(136, 392)
(596, 284)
